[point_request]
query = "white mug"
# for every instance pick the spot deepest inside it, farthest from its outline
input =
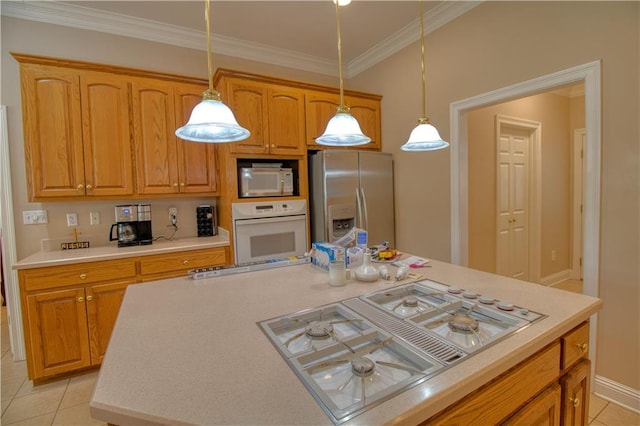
(338, 273)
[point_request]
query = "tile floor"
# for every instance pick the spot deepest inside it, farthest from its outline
(66, 402)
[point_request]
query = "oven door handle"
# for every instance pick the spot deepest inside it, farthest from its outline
(262, 221)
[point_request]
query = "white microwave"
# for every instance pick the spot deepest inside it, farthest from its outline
(265, 182)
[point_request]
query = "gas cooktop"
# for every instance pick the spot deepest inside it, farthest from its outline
(357, 353)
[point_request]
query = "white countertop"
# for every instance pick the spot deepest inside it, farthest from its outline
(190, 351)
(93, 254)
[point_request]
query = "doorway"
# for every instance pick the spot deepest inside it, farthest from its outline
(590, 75)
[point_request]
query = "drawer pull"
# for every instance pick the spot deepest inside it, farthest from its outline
(583, 347)
(80, 299)
(185, 262)
(89, 298)
(83, 276)
(575, 402)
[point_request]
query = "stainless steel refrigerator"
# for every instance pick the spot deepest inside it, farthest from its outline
(352, 188)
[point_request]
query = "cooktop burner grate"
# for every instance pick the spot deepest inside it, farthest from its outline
(436, 348)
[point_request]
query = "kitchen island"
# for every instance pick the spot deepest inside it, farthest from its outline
(187, 351)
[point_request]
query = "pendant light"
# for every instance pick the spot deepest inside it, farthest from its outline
(343, 129)
(424, 137)
(211, 120)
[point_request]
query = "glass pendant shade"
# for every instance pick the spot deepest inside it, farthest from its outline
(343, 130)
(212, 121)
(424, 137)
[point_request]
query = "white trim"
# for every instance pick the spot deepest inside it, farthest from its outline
(435, 18)
(589, 74)
(535, 187)
(577, 189)
(615, 392)
(57, 13)
(557, 278)
(9, 253)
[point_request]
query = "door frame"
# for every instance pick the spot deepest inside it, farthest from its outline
(535, 186)
(590, 75)
(577, 186)
(9, 253)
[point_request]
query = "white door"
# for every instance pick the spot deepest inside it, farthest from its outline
(512, 194)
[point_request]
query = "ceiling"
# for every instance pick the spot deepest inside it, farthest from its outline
(301, 34)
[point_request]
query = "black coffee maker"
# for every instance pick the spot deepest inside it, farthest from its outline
(133, 225)
(126, 226)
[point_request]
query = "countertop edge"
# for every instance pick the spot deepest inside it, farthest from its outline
(103, 253)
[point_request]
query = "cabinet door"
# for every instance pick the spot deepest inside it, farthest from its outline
(319, 108)
(543, 410)
(57, 321)
(154, 137)
(106, 136)
(103, 304)
(196, 161)
(52, 131)
(367, 112)
(575, 394)
(248, 101)
(286, 121)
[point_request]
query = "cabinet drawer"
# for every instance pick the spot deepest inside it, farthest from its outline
(575, 345)
(182, 261)
(79, 273)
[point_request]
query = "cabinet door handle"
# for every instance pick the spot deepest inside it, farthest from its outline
(83, 276)
(185, 262)
(575, 402)
(89, 298)
(175, 184)
(80, 299)
(182, 184)
(583, 347)
(89, 187)
(80, 187)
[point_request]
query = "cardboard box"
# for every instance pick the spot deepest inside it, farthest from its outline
(323, 253)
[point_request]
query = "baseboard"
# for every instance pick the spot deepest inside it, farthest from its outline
(619, 394)
(556, 278)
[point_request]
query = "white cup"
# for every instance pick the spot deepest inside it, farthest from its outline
(338, 273)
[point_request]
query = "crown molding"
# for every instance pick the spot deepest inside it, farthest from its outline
(56, 13)
(435, 18)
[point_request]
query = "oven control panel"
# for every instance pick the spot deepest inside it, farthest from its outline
(268, 209)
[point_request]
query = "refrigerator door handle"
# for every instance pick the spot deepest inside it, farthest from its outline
(359, 223)
(365, 224)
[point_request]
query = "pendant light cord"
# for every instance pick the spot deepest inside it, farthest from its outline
(424, 78)
(210, 93)
(342, 107)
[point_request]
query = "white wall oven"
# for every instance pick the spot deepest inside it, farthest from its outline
(269, 230)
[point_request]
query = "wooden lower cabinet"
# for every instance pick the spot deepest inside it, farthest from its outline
(544, 410)
(575, 391)
(69, 311)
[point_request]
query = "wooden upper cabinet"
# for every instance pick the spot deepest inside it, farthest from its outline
(166, 164)
(76, 126)
(154, 124)
(52, 131)
(273, 114)
(322, 106)
(197, 167)
(108, 165)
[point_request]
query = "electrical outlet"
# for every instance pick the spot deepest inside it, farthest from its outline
(173, 215)
(94, 218)
(72, 219)
(34, 217)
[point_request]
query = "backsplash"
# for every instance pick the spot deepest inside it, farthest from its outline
(49, 236)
